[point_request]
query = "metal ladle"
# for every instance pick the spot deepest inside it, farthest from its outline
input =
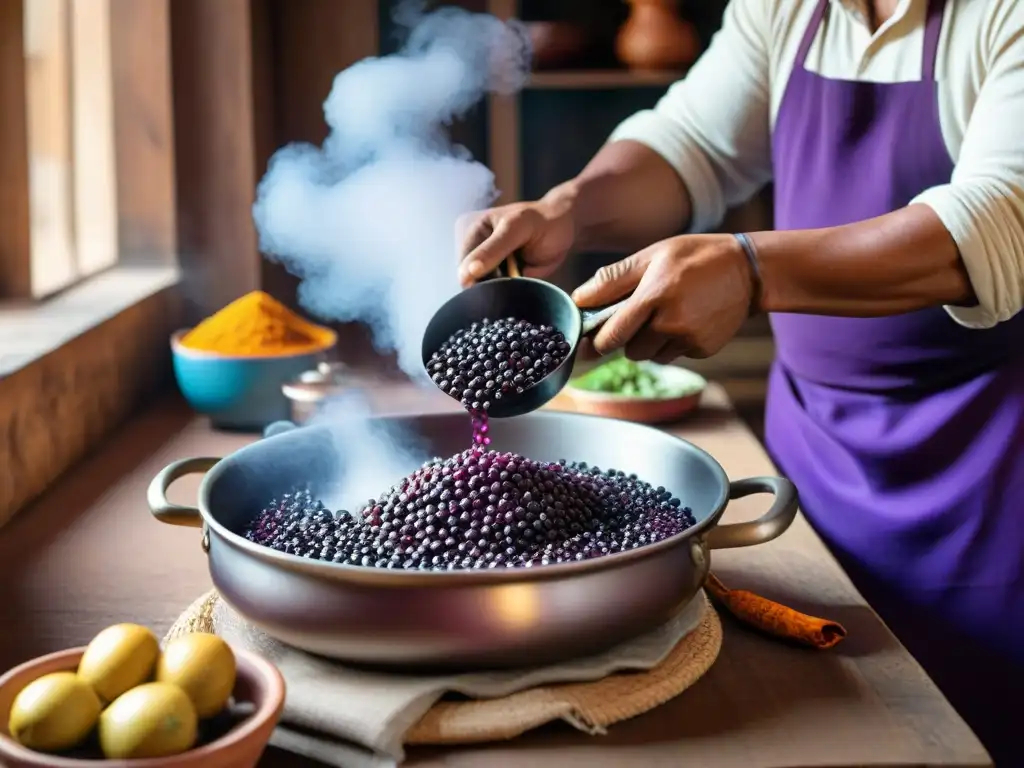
(507, 294)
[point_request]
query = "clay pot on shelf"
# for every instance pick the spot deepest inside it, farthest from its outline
(657, 37)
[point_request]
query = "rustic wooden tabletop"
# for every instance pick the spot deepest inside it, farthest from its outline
(88, 554)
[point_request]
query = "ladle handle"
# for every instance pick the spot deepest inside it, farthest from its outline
(510, 267)
(595, 318)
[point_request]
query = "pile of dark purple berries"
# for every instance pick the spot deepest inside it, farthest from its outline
(493, 358)
(480, 509)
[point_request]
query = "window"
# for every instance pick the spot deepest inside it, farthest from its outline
(86, 146)
(73, 198)
(125, 208)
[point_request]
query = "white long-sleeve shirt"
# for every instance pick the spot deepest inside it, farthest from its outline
(714, 126)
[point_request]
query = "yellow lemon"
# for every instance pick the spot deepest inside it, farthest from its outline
(54, 712)
(151, 720)
(203, 666)
(119, 658)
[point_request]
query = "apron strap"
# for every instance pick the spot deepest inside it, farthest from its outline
(929, 50)
(810, 32)
(932, 30)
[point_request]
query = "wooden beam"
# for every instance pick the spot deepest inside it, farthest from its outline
(317, 39)
(264, 77)
(211, 45)
(308, 42)
(503, 123)
(15, 215)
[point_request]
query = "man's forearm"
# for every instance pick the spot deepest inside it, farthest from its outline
(900, 262)
(626, 198)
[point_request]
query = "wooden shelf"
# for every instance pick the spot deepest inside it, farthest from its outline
(602, 78)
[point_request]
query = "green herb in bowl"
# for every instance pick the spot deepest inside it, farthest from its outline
(639, 380)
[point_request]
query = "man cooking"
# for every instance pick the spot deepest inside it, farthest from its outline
(893, 131)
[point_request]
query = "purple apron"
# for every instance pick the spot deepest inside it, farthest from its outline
(904, 434)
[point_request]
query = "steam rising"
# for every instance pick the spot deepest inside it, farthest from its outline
(367, 221)
(375, 454)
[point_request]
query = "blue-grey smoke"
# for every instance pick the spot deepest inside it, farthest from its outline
(367, 221)
(374, 454)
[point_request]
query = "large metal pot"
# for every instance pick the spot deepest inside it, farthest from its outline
(468, 619)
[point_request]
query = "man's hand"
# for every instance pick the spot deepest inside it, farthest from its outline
(541, 231)
(690, 296)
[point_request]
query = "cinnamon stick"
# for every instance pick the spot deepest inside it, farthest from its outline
(773, 618)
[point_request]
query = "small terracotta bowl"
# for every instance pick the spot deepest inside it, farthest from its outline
(644, 410)
(258, 683)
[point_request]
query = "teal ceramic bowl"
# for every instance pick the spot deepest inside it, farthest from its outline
(239, 393)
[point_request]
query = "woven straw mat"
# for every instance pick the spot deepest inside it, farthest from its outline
(589, 707)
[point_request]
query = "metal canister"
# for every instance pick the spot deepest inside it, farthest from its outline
(311, 389)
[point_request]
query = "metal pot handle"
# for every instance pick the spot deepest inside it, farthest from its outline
(156, 495)
(770, 525)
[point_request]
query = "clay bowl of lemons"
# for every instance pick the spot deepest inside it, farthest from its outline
(232, 365)
(124, 701)
(644, 392)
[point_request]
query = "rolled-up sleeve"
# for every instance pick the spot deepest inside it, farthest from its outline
(983, 205)
(713, 126)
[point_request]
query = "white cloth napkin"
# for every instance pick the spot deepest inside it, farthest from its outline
(357, 719)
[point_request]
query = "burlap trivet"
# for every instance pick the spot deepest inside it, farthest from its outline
(589, 707)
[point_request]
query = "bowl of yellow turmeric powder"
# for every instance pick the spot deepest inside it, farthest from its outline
(232, 365)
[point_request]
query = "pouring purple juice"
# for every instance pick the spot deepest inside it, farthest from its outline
(480, 429)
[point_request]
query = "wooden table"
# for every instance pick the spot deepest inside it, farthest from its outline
(88, 555)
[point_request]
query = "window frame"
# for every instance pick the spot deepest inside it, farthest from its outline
(79, 362)
(124, 181)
